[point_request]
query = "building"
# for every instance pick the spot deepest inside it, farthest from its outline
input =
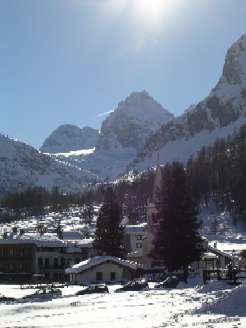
(153, 219)
(43, 254)
(102, 269)
(17, 261)
(135, 240)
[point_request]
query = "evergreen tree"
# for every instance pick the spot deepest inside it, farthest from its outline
(177, 243)
(109, 238)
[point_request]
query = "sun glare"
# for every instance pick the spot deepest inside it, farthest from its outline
(151, 10)
(145, 19)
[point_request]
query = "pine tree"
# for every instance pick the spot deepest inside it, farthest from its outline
(177, 243)
(109, 238)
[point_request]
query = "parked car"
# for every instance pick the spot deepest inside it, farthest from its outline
(44, 293)
(169, 282)
(136, 285)
(94, 289)
(6, 299)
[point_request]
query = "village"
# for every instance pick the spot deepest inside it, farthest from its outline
(60, 249)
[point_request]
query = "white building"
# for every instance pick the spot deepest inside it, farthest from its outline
(107, 269)
(135, 239)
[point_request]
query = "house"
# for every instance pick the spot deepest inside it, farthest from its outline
(102, 269)
(33, 253)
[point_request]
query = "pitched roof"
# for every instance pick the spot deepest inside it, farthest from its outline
(94, 261)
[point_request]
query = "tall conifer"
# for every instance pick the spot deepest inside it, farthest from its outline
(177, 242)
(109, 231)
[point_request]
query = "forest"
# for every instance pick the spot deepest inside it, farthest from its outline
(216, 172)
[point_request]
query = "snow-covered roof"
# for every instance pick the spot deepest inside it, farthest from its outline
(97, 260)
(49, 240)
(209, 255)
(231, 248)
(40, 240)
(137, 228)
(218, 252)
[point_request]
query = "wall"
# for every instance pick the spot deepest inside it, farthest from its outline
(89, 276)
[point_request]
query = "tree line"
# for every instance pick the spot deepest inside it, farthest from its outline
(218, 173)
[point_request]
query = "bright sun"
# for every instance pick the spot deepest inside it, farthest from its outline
(149, 10)
(150, 6)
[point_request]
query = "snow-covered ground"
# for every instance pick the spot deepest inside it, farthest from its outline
(71, 220)
(222, 230)
(215, 305)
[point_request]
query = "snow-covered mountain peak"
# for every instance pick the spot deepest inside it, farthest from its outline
(68, 138)
(141, 106)
(233, 79)
(132, 122)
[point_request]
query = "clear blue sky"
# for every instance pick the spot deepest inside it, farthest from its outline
(67, 61)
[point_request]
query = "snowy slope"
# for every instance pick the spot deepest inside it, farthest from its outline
(68, 138)
(218, 115)
(22, 166)
(123, 134)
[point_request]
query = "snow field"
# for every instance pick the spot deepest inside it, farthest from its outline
(190, 307)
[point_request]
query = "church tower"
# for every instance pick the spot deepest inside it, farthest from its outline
(152, 213)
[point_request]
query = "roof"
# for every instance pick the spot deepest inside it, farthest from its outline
(231, 247)
(40, 240)
(137, 228)
(209, 255)
(47, 240)
(218, 252)
(97, 260)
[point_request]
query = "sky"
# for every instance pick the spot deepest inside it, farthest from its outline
(70, 61)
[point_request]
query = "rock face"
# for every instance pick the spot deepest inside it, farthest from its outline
(22, 166)
(70, 138)
(122, 135)
(132, 123)
(218, 115)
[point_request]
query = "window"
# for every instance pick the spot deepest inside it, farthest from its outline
(55, 263)
(63, 262)
(112, 276)
(139, 237)
(46, 263)
(139, 245)
(40, 262)
(99, 276)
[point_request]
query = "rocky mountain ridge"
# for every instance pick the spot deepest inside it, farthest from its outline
(22, 166)
(218, 115)
(70, 138)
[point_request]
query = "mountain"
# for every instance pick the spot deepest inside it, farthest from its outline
(132, 122)
(22, 166)
(123, 133)
(70, 138)
(218, 115)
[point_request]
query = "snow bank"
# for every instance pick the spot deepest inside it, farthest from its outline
(230, 304)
